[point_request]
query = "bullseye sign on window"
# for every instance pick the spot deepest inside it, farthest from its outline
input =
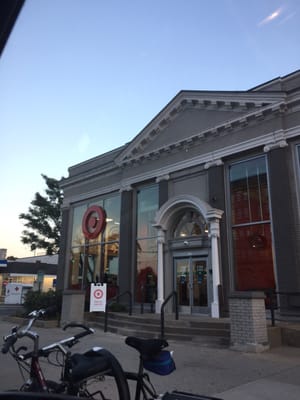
(93, 222)
(98, 297)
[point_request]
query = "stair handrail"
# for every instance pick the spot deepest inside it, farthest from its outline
(271, 297)
(173, 295)
(114, 299)
(143, 300)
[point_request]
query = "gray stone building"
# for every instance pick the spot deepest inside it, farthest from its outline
(204, 201)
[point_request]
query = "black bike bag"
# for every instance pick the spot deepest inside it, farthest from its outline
(91, 363)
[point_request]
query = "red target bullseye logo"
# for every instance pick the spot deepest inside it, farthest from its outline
(98, 294)
(93, 222)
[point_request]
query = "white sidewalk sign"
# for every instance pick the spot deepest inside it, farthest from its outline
(98, 297)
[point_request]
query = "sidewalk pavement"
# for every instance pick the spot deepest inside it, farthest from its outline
(223, 373)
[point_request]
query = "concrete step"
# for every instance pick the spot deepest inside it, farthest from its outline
(206, 332)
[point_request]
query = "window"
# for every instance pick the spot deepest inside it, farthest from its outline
(146, 244)
(96, 260)
(251, 226)
(190, 223)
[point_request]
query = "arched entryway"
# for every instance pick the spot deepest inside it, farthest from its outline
(165, 222)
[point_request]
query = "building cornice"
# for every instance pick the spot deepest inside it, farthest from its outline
(251, 104)
(208, 159)
(201, 136)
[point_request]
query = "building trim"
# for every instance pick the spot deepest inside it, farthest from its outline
(211, 158)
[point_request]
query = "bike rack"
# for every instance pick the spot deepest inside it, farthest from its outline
(172, 295)
(114, 299)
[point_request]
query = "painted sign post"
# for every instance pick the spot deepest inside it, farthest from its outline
(98, 297)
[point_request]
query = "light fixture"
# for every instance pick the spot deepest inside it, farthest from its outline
(206, 228)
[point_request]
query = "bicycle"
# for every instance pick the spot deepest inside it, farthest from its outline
(79, 372)
(154, 358)
(95, 365)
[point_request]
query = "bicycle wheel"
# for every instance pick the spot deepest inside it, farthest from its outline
(111, 385)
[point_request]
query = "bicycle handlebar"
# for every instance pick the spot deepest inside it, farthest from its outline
(76, 325)
(17, 333)
(9, 341)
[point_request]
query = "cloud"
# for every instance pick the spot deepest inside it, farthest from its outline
(83, 143)
(287, 18)
(275, 14)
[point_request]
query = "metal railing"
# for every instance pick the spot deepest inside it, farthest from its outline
(113, 300)
(272, 303)
(172, 295)
(152, 296)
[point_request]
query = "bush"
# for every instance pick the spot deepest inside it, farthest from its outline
(37, 300)
(117, 307)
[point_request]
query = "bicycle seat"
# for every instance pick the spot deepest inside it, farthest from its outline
(146, 347)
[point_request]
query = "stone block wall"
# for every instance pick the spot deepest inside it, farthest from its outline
(72, 306)
(248, 330)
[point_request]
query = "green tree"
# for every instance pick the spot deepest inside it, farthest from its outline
(43, 219)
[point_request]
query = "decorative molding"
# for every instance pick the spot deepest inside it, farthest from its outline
(125, 188)
(213, 163)
(162, 178)
(278, 141)
(277, 145)
(252, 102)
(226, 126)
(263, 141)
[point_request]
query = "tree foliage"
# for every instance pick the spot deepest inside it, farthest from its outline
(43, 219)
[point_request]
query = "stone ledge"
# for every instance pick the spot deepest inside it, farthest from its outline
(250, 347)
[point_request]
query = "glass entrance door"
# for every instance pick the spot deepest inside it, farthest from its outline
(191, 284)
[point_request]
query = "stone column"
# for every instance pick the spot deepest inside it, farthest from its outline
(248, 326)
(160, 270)
(215, 234)
(72, 306)
(213, 217)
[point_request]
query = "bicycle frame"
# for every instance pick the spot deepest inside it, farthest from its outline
(36, 373)
(143, 383)
(78, 370)
(36, 380)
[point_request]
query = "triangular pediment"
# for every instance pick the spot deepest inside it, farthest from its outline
(196, 114)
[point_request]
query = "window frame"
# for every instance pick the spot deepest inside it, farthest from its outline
(230, 226)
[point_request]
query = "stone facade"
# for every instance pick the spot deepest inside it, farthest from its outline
(227, 160)
(248, 327)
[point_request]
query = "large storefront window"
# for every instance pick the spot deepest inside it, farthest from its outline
(251, 227)
(146, 244)
(96, 259)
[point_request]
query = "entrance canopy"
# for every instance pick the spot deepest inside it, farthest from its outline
(163, 221)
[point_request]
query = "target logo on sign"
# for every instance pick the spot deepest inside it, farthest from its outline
(93, 222)
(98, 294)
(98, 297)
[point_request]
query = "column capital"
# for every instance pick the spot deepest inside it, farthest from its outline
(276, 145)
(125, 188)
(213, 163)
(165, 177)
(161, 236)
(214, 215)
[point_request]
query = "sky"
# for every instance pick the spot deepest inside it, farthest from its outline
(81, 77)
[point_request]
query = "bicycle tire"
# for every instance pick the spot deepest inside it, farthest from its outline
(114, 386)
